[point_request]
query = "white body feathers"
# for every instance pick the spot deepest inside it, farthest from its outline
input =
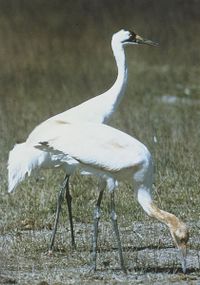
(96, 110)
(23, 159)
(97, 149)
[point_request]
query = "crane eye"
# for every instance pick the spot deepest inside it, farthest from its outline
(131, 38)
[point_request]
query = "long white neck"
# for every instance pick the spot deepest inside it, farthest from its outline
(100, 108)
(117, 90)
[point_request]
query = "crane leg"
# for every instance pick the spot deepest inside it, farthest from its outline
(69, 204)
(58, 209)
(116, 230)
(95, 229)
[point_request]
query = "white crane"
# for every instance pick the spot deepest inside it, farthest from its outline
(113, 156)
(24, 158)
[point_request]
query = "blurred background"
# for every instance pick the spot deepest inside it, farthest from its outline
(56, 54)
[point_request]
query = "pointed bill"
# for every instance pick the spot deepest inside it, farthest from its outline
(142, 41)
(183, 254)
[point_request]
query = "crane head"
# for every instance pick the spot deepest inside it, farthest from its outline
(128, 37)
(180, 235)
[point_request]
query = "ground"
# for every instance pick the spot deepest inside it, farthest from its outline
(150, 258)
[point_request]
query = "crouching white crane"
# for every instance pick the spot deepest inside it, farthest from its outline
(24, 157)
(113, 156)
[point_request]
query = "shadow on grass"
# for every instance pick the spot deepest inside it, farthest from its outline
(153, 270)
(134, 248)
(167, 270)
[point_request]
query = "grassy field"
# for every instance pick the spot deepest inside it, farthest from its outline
(55, 55)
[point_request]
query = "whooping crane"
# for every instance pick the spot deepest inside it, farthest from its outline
(113, 156)
(24, 158)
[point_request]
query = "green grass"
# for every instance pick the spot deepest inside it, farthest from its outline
(55, 55)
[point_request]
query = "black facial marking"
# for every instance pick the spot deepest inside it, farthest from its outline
(132, 37)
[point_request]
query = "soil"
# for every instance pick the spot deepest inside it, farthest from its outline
(148, 251)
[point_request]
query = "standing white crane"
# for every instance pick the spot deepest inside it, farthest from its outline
(24, 158)
(113, 156)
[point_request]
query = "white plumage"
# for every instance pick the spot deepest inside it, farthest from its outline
(97, 110)
(113, 156)
(65, 141)
(23, 159)
(99, 147)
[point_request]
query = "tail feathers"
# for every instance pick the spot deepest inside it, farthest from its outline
(23, 159)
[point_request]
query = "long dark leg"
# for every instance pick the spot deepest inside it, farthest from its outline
(95, 229)
(96, 217)
(69, 204)
(59, 203)
(116, 230)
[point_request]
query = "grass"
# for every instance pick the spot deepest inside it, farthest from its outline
(61, 56)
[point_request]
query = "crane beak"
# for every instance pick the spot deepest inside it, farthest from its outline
(139, 40)
(183, 253)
